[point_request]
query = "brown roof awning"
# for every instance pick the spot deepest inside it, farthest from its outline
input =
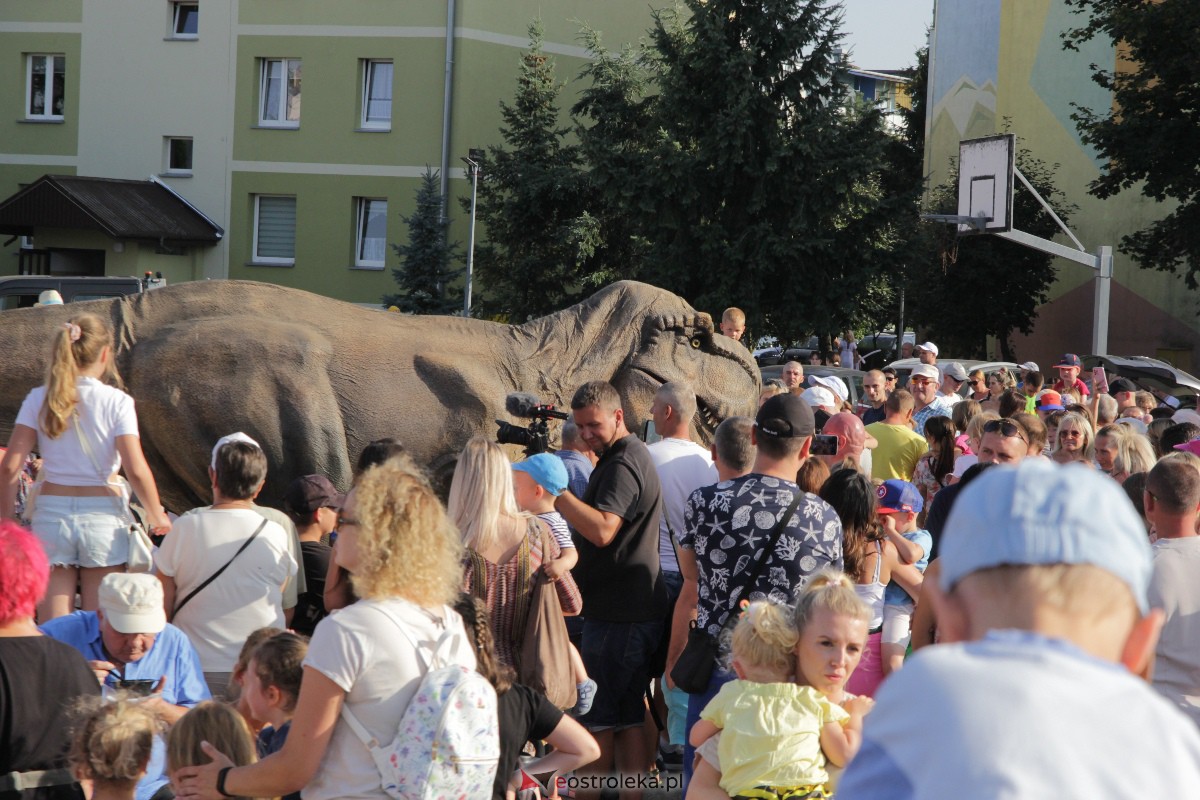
(123, 209)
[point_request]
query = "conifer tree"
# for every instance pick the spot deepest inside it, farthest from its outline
(426, 272)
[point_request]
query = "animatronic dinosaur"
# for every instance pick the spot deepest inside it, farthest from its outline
(313, 380)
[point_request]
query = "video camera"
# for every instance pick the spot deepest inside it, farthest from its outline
(535, 437)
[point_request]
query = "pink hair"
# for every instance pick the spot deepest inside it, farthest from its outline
(24, 572)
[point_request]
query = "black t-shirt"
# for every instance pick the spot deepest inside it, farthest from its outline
(623, 582)
(523, 716)
(40, 680)
(310, 605)
(874, 415)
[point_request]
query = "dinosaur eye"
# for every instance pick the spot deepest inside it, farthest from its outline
(695, 342)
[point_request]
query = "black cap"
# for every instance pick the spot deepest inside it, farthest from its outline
(785, 416)
(309, 492)
(1121, 385)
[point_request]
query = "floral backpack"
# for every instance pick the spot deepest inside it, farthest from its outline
(447, 744)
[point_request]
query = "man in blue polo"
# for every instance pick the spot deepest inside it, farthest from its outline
(128, 639)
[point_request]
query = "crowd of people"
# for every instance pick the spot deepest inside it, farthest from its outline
(971, 585)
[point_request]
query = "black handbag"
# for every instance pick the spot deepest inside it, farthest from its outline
(694, 667)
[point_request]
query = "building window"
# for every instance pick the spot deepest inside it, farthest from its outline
(279, 105)
(178, 155)
(377, 95)
(274, 230)
(370, 246)
(185, 20)
(45, 87)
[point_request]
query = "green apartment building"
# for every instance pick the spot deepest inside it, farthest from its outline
(295, 130)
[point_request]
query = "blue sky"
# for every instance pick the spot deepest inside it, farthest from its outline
(884, 34)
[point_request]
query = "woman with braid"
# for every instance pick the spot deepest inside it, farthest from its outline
(524, 715)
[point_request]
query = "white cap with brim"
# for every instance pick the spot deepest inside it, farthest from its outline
(819, 397)
(1040, 514)
(832, 383)
(928, 347)
(133, 602)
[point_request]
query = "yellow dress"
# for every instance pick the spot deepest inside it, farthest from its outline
(771, 734)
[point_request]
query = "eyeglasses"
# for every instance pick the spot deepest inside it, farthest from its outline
(1006, 428)
(344, 521)
(919, 381)
(890, 378)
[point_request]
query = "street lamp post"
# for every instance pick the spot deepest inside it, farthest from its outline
(472, 160)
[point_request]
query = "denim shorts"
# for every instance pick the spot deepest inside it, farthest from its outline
(617, 657)
(81, 531)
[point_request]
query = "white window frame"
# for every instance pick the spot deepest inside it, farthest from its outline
(271, 260)
(362, 208)
(369, 67)
(174, 32)
(263, 91)
(47, 114)
(177, 171)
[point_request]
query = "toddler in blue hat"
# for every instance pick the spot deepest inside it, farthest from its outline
(899, 504)
(536, 482)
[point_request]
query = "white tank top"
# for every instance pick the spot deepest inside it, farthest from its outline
(872, 593)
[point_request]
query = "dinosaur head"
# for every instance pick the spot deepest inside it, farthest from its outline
(681, 346)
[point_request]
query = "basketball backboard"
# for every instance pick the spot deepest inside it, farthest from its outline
(985, 182)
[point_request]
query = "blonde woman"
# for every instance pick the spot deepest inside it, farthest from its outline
(504, 546)
(405, 560)
(1074, 440)
(85, 431)
(111, 746)
(1134, 454)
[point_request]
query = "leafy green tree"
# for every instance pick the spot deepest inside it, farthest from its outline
(1149, 134)
(426, 268)
(544, 243)
(730, 146)
(981, 285)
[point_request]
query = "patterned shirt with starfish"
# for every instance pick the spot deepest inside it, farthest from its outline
(727, 525)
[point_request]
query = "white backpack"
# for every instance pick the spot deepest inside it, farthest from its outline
(447, 744)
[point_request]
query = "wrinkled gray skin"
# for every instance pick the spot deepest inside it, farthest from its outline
(313, 380)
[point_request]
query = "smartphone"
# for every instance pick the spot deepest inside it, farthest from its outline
(649, 435)
(139, 686)
(1099, 381)
(824, 444)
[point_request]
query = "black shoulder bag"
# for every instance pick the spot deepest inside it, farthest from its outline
(694, 667)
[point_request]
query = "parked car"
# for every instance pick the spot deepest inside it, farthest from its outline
(905, 366)
(853, 378)
(1151, 374)
(22, 291)
(777, 354)
(878, 349)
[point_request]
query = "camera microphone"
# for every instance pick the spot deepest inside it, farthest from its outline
(523, 404)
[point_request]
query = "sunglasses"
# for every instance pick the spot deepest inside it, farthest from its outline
(1006, 428)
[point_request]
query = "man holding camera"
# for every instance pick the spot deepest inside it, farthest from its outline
(624, 597)
(130, 646)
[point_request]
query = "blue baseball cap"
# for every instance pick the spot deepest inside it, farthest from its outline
(1041, 513)
(548, 470)
(897, 495)
(1069, 360)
